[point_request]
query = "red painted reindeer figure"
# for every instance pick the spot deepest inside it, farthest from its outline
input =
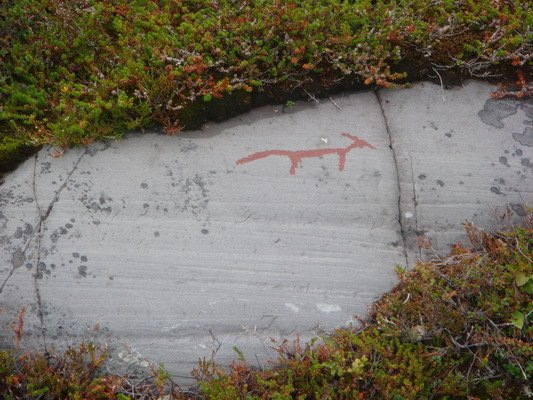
(297, 155)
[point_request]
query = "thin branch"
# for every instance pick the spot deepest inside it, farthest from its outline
(441, 84)
(335, 104)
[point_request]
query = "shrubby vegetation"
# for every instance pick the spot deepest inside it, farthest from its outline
(76, 71)
(453, 328)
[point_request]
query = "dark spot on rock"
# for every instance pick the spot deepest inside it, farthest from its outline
(526, 138)
(503, 160)
(146, 205)
(41, 267)
(519, 209)
(506, 152)
(156, 234)
(45, 167)
(83, 258)
(525, 162)
(144, 185)
(82, 270)
(63, 231)
(18, 233)
(495, 189)
(111, 278)
(519, 152)
(422, 176)
(448, 134)
(496, 110)
(440, 183)
(18, 258)
(69, 226)
(28, 229)
(205, 231)
(76, 255)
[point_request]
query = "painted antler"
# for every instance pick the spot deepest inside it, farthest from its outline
(360, 143)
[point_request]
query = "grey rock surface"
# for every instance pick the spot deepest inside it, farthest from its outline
(274, 224)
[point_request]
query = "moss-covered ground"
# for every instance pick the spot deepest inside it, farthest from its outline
(76, 71)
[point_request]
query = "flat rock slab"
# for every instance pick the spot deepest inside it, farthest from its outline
(282, 222)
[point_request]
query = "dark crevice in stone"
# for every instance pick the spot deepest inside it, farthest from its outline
(43, 216)
(403, 231)
(415, 204)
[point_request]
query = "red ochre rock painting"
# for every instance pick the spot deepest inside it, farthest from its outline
(296, 155)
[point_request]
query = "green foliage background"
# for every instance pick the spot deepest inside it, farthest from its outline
(76, 71)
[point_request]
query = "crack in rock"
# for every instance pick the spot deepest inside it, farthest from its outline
(403, 231)
(19, 256)
(42, 219)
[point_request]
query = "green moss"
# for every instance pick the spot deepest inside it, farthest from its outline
(83, 70)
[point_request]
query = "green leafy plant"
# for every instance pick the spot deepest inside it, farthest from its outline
(76, 71)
